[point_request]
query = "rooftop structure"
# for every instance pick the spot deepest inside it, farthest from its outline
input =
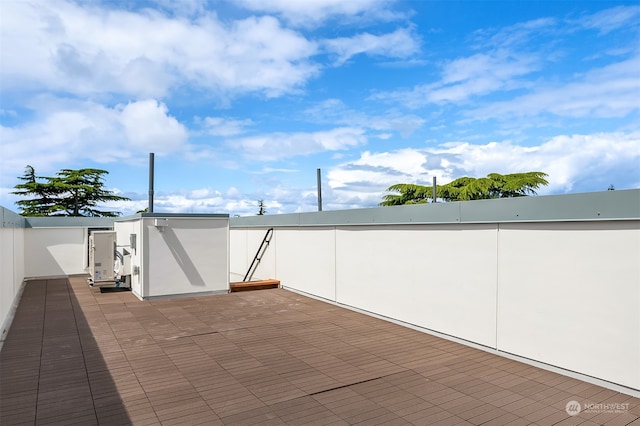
(500, 311)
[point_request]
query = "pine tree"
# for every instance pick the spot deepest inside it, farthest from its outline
(466, 188)
(69, 193)
(261, 209)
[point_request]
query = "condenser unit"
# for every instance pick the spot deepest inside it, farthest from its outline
(104, 262)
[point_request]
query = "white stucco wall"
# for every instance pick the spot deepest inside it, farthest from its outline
(55, 251)
(308, 259)
(246, 242)
(186, 256)
(124, 230)
(11, 272)
(440, 277)
(239, 262)
(569, 296)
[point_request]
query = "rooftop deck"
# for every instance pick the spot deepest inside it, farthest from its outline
(76, 356)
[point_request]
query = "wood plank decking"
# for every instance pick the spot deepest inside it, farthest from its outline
(254, 285)
(76, 356)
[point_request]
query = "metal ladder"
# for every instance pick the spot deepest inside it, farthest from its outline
(258, 257)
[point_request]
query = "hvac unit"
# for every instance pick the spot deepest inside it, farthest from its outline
(106, 263)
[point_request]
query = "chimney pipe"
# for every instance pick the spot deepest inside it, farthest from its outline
(150, 209)
(435, 190)
(319, 191)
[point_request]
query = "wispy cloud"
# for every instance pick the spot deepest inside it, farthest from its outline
(467, 78)
(335, 111)
(274, 146)
(611, 91)
(313, 13)
(401, 43)
(611, 19)
(220, 126)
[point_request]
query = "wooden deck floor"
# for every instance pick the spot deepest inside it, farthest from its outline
(76, 356)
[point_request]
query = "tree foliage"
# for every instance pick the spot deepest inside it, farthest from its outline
(494, 185)
(261, 208)
(69, 193)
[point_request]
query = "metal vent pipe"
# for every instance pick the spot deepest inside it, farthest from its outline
(435, 190)
(319, 191)
(151, 172)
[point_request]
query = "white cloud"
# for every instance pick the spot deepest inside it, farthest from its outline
(183, 7)
(70, 131)
(315, 12)
(612, 91)
(147, 125)
(335, 111)
(376, 167)
(569, 160)
(220, 126)
(465, 78)
(506, 57)
(518, 36)
(86, 49)
(612, 19)
(233, 202)
(273, 146)
(398, 44)
(510, 60)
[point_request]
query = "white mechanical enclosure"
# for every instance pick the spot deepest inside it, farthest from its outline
(167, 254)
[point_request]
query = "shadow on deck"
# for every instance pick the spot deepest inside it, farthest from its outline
(76, 356)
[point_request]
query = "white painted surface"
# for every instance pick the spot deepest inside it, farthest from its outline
(306, 260)
(438, 277)
(124, 230)
(11, 272)
(246, 242)
(267, 267)
(55, 251)
(238, 245)
(188, 256)
(569, 295)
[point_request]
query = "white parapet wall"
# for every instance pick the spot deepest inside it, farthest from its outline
(554, 279)
(11, 265)
(441, 277)
(569, 296)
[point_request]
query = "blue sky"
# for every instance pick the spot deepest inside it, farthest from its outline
(243, 100)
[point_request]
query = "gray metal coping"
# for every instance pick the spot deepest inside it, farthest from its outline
(592, 206)
(10, 219)
(173, 216)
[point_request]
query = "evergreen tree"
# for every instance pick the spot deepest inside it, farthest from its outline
(42, 192)
(466, 188)
(69, 193)
(261, 208)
